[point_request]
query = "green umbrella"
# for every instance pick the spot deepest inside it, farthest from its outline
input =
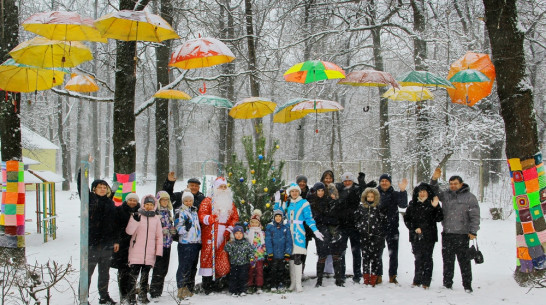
(212, 100)
(469, 76)
(423, 79)
(313, 71)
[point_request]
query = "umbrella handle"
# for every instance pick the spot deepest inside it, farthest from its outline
(204, 89)
(366, 109)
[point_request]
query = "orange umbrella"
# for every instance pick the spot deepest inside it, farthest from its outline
(81, 83)
(470, 93)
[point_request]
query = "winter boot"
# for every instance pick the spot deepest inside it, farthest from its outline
(379, 279)
(366, 279)
(320, 273)
(180, 295)
(298, 275)
(292, 276)
(392, 279)
(340, 281)
(373, 279)
(143, 298)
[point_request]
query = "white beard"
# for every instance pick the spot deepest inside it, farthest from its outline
(222, 204)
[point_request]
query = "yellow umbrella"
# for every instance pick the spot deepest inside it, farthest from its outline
(284, 114)
(81, 83)
(135, 26)
(252, 107)
(44, 53)
(409, 93)
(170, 94)
(17, 77)
(56, 25)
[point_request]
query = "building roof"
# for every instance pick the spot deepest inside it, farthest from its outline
(31, 140)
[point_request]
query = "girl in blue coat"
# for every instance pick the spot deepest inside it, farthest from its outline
(298, 211)
(278, 246)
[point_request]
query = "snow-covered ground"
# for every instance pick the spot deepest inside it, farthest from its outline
(493, 282)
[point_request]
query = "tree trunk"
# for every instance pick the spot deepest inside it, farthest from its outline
(162, 105)
(146, 153)
(65, 159)
(228, 85)
(10, 122)
(124, 100)
(420, 55)
(517, 110)
(252, 66)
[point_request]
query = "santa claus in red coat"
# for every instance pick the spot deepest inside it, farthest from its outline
(217, 216)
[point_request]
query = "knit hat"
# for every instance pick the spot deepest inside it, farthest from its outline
(300, 178)
(187, 194)
(293, 186)
(238, 228)
(385, 176)
(348, 176)
(219, 181)
(194, 180)
(147, 199)
(277, 212)
(132, 196)
(256, 215)
(319, 186)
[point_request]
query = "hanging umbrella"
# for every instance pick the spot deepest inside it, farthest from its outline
(469, 76)
(135, 26)
(201, 53)
(212, 100)
(317, 106)
(252, 108)
(170, 94)
(409, 93)
(17, 77)
(369, 78)
(470, 94)
(284, 114)
(313, 71)
(81, 83)
(66, 26)
(44, 53)
(424, 79)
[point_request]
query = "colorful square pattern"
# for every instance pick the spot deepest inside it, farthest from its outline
(12, 217)
(127, 184)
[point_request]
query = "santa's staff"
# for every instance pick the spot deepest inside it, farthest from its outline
(213, 245)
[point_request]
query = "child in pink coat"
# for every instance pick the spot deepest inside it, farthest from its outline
(146, 243)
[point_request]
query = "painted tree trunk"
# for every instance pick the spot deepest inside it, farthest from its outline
(522, 145)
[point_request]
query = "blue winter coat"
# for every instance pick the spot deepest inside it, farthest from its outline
(297, 213)
(278, 240)
(188, 215)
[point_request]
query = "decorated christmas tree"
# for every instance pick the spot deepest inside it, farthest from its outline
(255, 181)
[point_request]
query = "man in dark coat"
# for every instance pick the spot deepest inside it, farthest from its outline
(176, 198)
(102, 235)
(461, 224)
(390, 201)
(120, 259)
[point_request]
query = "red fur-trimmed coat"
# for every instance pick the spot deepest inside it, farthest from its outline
(222, 260)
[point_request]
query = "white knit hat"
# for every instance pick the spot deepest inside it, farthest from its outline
(131, 196)
(293, 186)
(187, 195)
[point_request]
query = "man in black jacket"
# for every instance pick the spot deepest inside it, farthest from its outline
(176, 198)
(390, 201)
(103, 235)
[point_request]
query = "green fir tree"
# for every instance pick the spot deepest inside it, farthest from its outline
(254, 183)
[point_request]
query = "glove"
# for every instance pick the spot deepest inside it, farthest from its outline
(270, 257)
(277, 196)
(361, 178)
(252, 263)
(319, 235)
(286, 257)
(188, 223)
(371, 184)
(212, 219)
(136, 216)
(172, 231)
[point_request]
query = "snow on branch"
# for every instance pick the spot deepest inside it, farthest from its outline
(82, 96)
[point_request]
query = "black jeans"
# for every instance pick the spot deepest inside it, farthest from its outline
(238, 277)
(124, 281)
(161, 268)
(456, 245)
(353, 236)
(277, 272)
(101, 256)
(188, 256)
(144, 271)
(422, 251)
(392, 244)
(372, 247)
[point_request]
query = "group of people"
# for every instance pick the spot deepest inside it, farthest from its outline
(136, 237)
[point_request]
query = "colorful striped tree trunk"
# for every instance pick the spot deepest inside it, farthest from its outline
(12, 214)
(529, 190)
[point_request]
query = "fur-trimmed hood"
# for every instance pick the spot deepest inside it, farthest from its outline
(365, 193)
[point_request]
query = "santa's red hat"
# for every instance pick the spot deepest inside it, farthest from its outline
(219, 181)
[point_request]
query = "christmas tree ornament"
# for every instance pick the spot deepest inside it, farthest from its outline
(272, 168)
(246, 223)
(277, 146)
(260, 157)
(229, 185)
(274, 179)
(230, 173)
(253, 181)
(241, 179)
(242, 201)
(252, 171)
(267, 205)
(266, 189)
